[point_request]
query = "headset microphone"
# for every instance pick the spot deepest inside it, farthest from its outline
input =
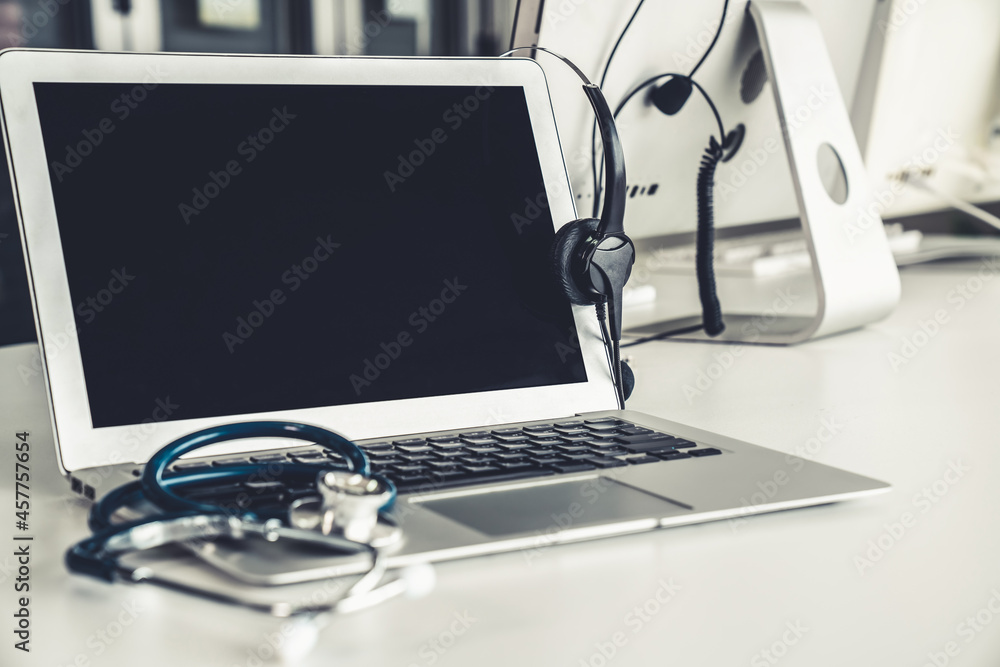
(593, 257)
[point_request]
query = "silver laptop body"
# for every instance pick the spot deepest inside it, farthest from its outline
(201, 185)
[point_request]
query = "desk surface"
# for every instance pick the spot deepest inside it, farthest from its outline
(906, 578)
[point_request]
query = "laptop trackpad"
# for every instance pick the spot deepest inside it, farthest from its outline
(548, 508)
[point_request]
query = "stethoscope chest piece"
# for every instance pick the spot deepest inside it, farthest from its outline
(348, 506)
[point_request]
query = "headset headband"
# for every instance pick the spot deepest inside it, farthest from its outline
(612, 222)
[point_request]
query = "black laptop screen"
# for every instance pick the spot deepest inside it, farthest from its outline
(234, 249)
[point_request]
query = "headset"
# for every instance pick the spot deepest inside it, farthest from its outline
(669, 97)
(348, 517)
(593, 257)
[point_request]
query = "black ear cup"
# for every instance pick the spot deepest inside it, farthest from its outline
(671, 96)
(565, 249)
(628, 380)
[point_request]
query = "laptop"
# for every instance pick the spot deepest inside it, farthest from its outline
(357, 243)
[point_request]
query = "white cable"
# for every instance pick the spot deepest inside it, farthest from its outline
(955, 202)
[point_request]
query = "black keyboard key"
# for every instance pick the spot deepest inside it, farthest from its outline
(610, 450)
(411, 480)
(541, 451)
(673, 455)
(568, 424)
(515, 446)
(681, 443)
(262, 487)
(191, 467)
(479, 441)
(641, 459)
(601, 420)
(234, 461)
(440, 439)
(572, 448)
(551, 440)
(652, 446)
(708, 451)
(477, 460)
(444, 446)
(415, 449)
(522, 437)
(449, 474)
(578, 456)
(537, 428)
(474, 434)
(303, 450)
(483, 450)
(492, 477)
(268, 458)
(515, 465)
(451, 453)
(607, 463)
(636, 439)
(507, 431)
(476, 469)
(582, 437)
(636, 430)
(507, 456)
(406, 469)
(413, 458)
(409, 442)
(547, 460)
(573, 467)
(441, 465)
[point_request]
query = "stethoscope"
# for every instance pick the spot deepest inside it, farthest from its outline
(348, 515)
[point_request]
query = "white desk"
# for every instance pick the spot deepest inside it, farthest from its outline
(741, 586)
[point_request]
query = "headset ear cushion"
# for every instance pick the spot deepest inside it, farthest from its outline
(564, 249)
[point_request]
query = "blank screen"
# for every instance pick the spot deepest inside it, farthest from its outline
(247, 248)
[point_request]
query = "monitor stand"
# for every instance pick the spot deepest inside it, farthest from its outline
(855, 276)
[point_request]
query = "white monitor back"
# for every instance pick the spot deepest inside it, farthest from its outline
(671, 35)
(936, 105)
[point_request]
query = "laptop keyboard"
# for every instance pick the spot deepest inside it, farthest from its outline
(482, 456)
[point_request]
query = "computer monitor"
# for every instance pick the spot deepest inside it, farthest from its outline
(663, 153)
(935, 110)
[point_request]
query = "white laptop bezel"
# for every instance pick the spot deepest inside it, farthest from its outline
(78, 443)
